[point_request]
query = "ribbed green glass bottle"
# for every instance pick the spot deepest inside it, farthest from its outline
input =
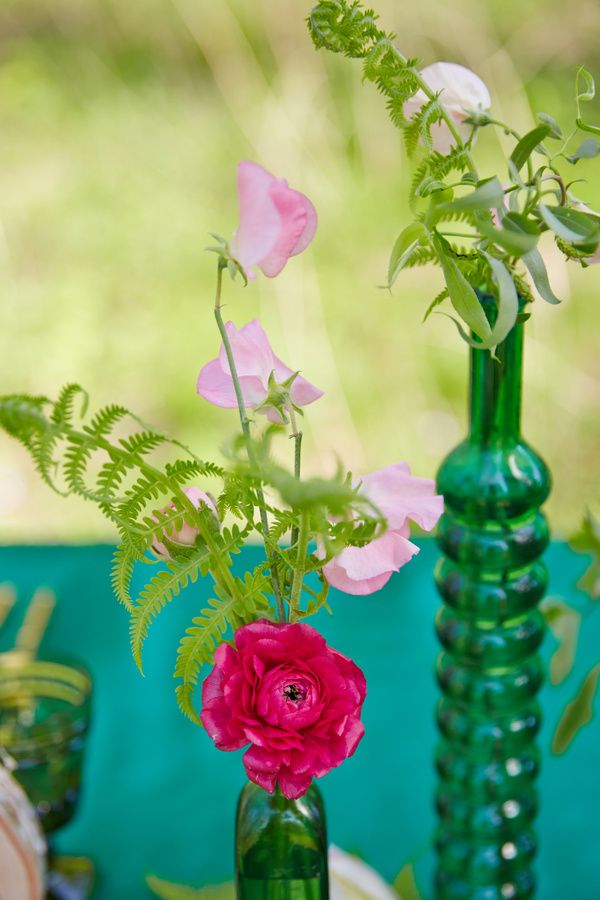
(281, 846)
(491, 580)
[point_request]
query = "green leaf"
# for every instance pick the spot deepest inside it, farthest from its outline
(588, 149)
(570, 225)
(517, 234)
(563, 621)
(405, 243)
(528, 143)
(462, 295)
(405, 884)
(555, 130)
(579, 712)
(585, 87)
(507, 301)
(587, 540)
(169, 891)
(537, 269)
(590, 581)
(584, 126)
(488, 194)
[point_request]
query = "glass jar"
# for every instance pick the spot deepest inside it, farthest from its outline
(281, 846)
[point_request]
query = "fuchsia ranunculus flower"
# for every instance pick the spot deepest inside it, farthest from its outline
(187, 534)
(254, 361)
(462, 92)
(296, 700)
(399, 496)
(276, 222)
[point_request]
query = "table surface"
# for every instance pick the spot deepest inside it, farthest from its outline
(159, 798)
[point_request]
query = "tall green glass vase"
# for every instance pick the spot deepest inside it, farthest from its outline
(491, 580)
(281, 846)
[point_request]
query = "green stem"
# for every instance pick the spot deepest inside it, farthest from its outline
(509, 130)
(300, 568)
(297, 435)
(245, 423)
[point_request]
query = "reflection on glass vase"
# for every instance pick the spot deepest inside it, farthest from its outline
(44, 721)
(491, 580)
(281, 846)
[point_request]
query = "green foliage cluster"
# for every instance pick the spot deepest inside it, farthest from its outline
(97, 458)
(503, 221)
(564, 622)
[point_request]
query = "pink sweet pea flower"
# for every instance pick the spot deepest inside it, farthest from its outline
(289, 695)
(255, 361)
(187, 534)
(276, 222)
(399, 496)
(462, 92)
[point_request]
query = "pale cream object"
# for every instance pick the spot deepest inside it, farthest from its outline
(22, 847)
(462, 92)
(352, 879)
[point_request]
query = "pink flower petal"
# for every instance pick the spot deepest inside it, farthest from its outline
(260, 221)
(364, 570)
(401, 496)
(216, 386)
(293, 217)
(293, 786)
(265, 780)
(309, 228)
(254, 363)
(251, 350)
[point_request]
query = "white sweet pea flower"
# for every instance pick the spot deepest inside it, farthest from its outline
(462, 93)
(352, 879)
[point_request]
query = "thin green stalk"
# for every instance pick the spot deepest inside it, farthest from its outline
(297, 436)
(245, 423)
(300, 567)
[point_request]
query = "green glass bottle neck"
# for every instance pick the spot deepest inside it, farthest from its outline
(495, 390)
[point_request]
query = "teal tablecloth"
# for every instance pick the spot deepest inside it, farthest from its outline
(159, 798)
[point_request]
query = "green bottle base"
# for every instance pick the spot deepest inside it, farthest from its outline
(280, 888)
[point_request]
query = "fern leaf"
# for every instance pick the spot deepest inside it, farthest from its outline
(419, 128)
(105, 420)
(208, 630)
(160, 591)
(121, 574)
(63, 408)
(436, 302)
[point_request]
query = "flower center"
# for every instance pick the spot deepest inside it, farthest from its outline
(294, 693)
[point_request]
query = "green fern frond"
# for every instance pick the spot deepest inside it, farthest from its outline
(141, 443)
(418, 130)
(343, 27)
(190, 562)
(104, 421)
(436, 302)
(77, 457)
(63, 408)
(160, 591)
(421, 256)
(208, 631)
(121, 574)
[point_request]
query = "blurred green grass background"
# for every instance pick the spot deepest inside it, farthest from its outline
(121, 127)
